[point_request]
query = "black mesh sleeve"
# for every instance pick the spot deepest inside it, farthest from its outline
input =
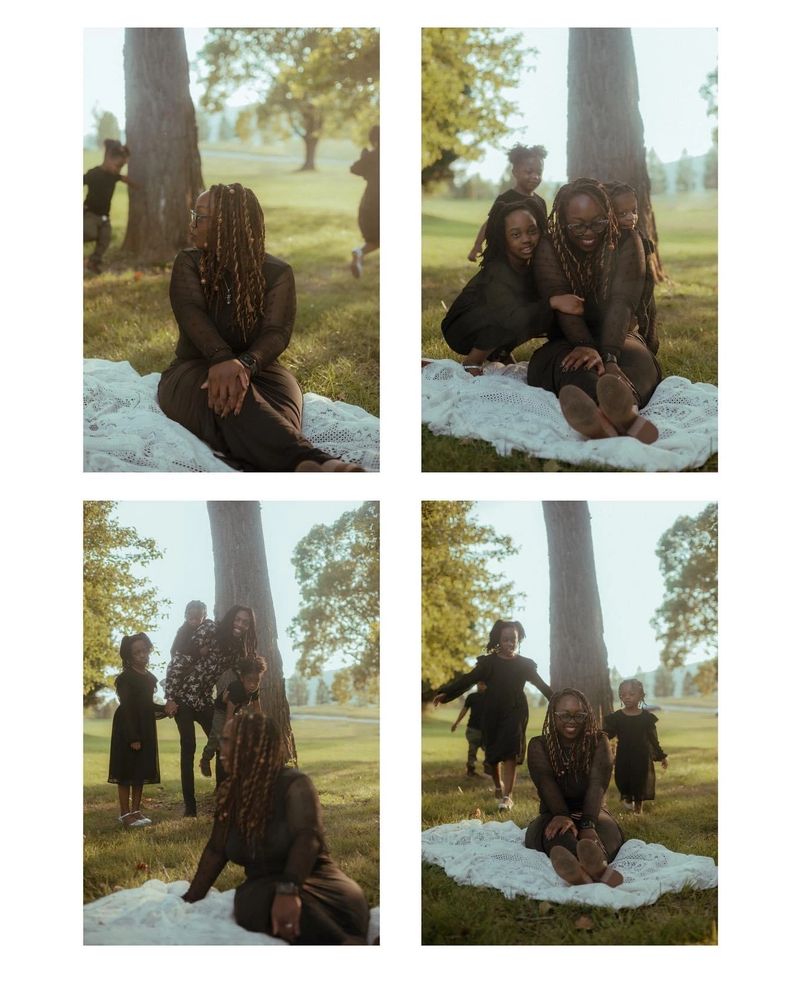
(191, 311)
(550, 280)
(599, 777)
(541, 772)
(304, 817)
(625, 293)
(212, 861)
(275, 328)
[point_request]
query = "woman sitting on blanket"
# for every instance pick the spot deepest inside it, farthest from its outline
(598, 364)
(498, 308)
(235, 306)
(570, 765)
(268, 820)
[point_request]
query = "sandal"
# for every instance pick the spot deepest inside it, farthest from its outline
(506, 804)
(130, 819)
(140, 815)
(583, 415)
(617, 401)
(474, 370)
(567, 866)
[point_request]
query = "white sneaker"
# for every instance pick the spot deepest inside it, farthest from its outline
(357, 262)
(506, 803)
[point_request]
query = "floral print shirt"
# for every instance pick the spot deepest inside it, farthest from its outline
(191, 677)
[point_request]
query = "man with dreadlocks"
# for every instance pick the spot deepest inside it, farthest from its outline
(269, 820)
(570, 765)
(600, 357)
(235, 306)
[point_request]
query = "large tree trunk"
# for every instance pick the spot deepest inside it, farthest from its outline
(161, 131)
(578, 656)
(241, 577)
(311, 142)
(605, 134)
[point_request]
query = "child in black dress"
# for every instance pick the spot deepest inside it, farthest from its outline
(505, 716)
(626, 209)
(101, 182)
(368, 166)
(134, 745)
(498, 308)
(239, 693)
(634, 728)
(527, 167)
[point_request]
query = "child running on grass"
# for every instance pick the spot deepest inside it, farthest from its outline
(101, 182)
(527, 167)
(474, 705)
(134, 745)
(240, 693)
(634, 728)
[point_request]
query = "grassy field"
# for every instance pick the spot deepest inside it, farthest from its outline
(311, 223)
(340, 757)
(687, 308)
(683, 818)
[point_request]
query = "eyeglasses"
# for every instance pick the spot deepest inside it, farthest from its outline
(627, 215)
(571, 716)
(579, 228)
(195, 217)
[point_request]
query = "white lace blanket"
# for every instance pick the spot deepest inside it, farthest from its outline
(494, 854)
(126, 431)
(154, 913)
(501, 408)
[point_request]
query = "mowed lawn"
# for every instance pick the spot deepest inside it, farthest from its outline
(687, 307)
(311, 221)
(683, 818)
(341, 758)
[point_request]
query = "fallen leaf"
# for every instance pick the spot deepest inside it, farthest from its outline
(138, 275)
(476, 814)
(142, 866)
(584, 922)
(545, 907)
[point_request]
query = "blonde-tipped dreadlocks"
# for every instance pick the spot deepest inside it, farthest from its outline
(589, 275)
(232, 263)
(579, 760)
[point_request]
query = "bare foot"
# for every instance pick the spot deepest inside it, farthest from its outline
(583, 415)
(618, 403)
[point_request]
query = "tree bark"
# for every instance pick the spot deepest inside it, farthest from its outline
(605, 134)
(161, 131)
(578, 655)
(241, 577)
(311, 142)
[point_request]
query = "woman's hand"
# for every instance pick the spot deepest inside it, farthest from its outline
(583, 357)
(438, 699)
(570, 304)
(286, 916)
(170, 708)
(664, 763)
(473, 254)
(560, 824)
(136, 745)
(227, 384)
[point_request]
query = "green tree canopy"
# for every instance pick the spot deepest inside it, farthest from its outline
(116, 600)
(316, 81)
(462, 594)
(337, 568)
(687, 618)
(464, 74)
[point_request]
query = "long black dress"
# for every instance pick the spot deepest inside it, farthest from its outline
(134, 722)
(565, 794)
(266, 436)
(505, 713)
(637, 748)
(609, 326)
(497, 308)
(292, 849)
(369, 208)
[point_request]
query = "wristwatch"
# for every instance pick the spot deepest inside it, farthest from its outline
(609, 358)
(249, 362)
(586, 824)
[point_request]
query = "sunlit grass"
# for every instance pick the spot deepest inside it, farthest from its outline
(686, 301)
(683, 818)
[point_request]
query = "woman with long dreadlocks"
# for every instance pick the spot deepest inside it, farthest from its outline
(598, 364)
(498, 308)
(268, 819)
(570, 765)
(505, 712)
(235, 307)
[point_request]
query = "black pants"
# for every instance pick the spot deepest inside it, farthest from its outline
(265, 437)
(186, 718)
(607, 829)
(635, 361)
